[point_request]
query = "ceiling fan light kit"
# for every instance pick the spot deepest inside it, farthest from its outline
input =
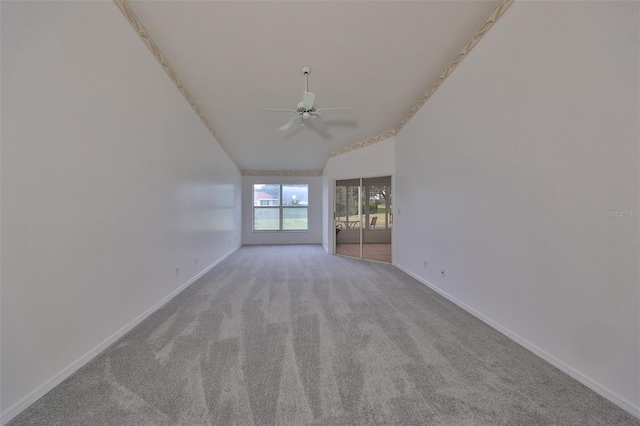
(305, 109)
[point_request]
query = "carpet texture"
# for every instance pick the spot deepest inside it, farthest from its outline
(290, 335)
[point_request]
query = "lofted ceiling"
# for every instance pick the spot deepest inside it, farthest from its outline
(237, 57)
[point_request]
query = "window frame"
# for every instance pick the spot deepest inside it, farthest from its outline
(280, 206)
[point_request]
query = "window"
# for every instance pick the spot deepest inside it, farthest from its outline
(280, 207)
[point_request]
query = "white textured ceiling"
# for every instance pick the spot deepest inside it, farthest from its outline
(236, 57)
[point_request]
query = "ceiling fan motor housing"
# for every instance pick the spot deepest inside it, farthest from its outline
(301, 109)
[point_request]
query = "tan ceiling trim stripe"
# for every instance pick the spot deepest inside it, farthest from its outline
(280, 173)
(486, 25)
(153, 47)
(361, 144)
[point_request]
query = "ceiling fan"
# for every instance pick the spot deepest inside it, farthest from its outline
(305, 109)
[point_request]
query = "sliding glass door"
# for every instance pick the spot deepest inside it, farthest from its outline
(363, 218)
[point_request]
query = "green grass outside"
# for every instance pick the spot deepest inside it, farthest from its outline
(294, 219)
(379, 215)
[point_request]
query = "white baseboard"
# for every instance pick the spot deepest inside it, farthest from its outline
(40, 391)
(621, 402)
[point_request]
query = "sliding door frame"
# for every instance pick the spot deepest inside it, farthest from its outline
(363, 199)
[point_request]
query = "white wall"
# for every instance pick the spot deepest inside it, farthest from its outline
(505, 177)
(373, 160)
(109, 182)
(312, 236)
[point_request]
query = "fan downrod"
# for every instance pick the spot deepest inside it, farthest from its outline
(306, 70)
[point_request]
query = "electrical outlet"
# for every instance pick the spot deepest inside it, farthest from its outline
(398, 212)
(177, 271)
(425, 263)
(443, 273)
(196, 260)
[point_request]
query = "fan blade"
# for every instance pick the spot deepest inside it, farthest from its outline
(320, 123)
(320, 129)
(342, 123)
(308, 99)
(333, 109)
(279, 110)
(289, 123)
